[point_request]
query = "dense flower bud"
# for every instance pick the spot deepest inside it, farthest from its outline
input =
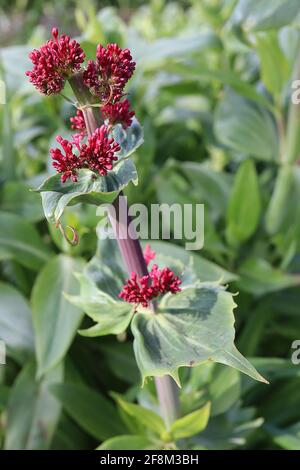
(98, 154)
(107, 76)
(78, 122)
(66, 163)
(143, 290)
(54, 62)
(118, 113)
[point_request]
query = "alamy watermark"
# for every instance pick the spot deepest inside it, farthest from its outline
(161, 221)
(2, 352)
(296, 92)
(2, 92)
(295, 358)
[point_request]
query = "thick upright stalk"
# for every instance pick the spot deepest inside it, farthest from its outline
(130, 248)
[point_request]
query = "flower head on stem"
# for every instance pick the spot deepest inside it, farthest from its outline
(54, 62)
(143, 290)
(108, 74)
(98, 154)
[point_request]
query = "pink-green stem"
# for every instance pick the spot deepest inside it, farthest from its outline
(130, 248)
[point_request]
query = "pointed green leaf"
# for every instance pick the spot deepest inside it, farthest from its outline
(147, 418)
(191, 424)
(90, 188)
(244, 204)
(111, 316)
(191, 327)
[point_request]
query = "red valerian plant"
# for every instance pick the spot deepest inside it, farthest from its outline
(104, 80)
(200, 321)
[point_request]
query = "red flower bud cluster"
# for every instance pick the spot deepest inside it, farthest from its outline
(118, 113)
(97, 155)
(54, 62)
(106, 78)
(78, 122)
(108, 74)
(143, 290)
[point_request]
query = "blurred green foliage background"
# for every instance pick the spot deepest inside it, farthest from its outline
(212, 89)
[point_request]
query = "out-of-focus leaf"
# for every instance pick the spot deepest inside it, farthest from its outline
(259, 277)
(274, 65)
(21, 241)
(15, 322)
(18, 198)
(150, 55)
(33, 412)
(245, 127)
(9, 57)
(288, 439)
(55, 320)
(91, 410)
(127, 442)
(263, 15)
(120, 357)
(244, 204)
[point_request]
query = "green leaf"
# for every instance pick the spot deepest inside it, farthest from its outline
(127, 442)
(245, 127)
(264, 15)
(92, 411)
(15, 322)
(288, 439)
(259, 277)
(244, 204)
(145, 417)
(111, 316)
(55, 320)
(191, 424)
(129, 139)
(33, 412)
(20, 241)
(168, 254)
(274, 65)
(121, 360)
(151, 55)
(90, 188)
(191, 327)
(18, 198)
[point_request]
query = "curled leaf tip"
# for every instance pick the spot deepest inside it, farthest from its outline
(72, 241)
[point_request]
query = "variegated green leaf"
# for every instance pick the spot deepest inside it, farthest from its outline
(191, 327)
